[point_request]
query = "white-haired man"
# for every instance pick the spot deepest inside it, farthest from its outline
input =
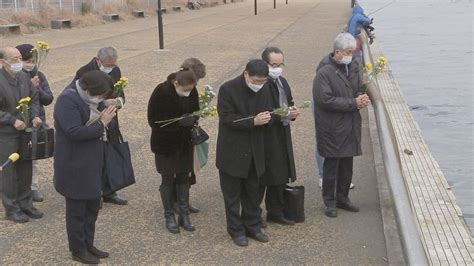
(338, 96)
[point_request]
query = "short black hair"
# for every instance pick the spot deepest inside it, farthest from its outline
(266, 53)
(196, 66)
(96, 83)
(257, 67)
(185, 76)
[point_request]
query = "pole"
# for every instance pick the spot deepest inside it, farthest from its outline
(160, 25)
(255, 7)
(274, 3)
(286, 2)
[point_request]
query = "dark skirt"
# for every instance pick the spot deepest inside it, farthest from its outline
(175, 163)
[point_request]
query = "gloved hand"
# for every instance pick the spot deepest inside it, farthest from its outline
(370, 28)
(187, 120)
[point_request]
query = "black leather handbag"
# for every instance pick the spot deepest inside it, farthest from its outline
(118, 169)
(36, 143)
(198, 135)
(294, 203)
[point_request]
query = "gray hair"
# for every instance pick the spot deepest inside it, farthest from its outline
(107, 52)
(344, 41)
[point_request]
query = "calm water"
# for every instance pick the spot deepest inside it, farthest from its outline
(429, 46)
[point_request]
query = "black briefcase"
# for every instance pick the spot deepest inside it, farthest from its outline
(36, 143)
(294, 203)
(118, 166)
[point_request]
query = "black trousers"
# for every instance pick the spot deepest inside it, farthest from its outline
(337, 178)
(81, 216)
(241, 193)
(274, 200)
(15, 178)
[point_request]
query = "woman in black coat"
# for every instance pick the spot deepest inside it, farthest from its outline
(176, 97)
(79, 159)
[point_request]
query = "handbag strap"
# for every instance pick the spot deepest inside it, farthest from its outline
(46, 139)
(34, 142)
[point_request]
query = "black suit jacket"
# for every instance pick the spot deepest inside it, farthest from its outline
(238, 143)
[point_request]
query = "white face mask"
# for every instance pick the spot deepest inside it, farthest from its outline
(346, 59)
(275, 72)
(254, 87)
(183, 93)
(106, 69)
(28, 67)
(17, 67)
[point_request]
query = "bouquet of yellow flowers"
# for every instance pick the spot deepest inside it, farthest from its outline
(119, 85)
(370, 71)
(40, 52)
(281, 111)
(205, 108)
(23, 108)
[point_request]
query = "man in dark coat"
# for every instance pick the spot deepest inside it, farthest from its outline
(79, 159)
(338, 96)
(45, 97)
(240, 154)
(106, 61)
(16, 179)
(279, 160)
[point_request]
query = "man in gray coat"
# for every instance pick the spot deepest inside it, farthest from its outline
(338, 96)
(16, 180)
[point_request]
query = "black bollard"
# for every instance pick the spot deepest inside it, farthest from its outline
(255, 7)
(274, 3)
(160, 25)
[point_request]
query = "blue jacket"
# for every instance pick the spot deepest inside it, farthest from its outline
(78, 150)
(357, 20)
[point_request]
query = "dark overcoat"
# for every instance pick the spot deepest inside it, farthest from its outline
(240, 143)
(337, 118)
(279, 159)
(78, 149)
(172, 141)
(45, 95)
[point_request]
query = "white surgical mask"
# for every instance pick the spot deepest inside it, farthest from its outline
(254, 87)
(183, 93)
(275, 72)
(346, 59)
(106, 69)
(17, 67)
(28, 67)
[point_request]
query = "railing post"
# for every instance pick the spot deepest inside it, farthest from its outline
(255, 7)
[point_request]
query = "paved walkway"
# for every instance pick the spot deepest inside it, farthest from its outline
(224, 38)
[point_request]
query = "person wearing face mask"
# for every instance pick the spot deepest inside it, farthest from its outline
(279, 160)
(106, 61)
(240, 154)
(171, 144)
(16, 180)
(45, 97)
(338, 96)
(79, 159)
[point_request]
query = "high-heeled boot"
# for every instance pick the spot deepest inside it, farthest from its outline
(182, 193)
(166, 192)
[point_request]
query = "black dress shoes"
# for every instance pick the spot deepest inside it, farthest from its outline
(36, 196)
(85, 257)
(280, 220)
(33, 213)
(348, 207)
(115, 199)
(331, 212)
(259, 236)
(241, 241)
(17, 217)
(98, 253)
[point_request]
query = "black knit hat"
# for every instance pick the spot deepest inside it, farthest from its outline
(25, 50)
(96, 82)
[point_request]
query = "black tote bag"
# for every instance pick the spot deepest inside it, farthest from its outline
(36, 143)
(118, 168)
(294, 203)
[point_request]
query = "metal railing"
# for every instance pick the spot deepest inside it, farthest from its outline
(412, 245)
(74, 6)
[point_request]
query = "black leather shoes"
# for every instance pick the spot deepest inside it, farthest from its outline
(279, 220)
(116, 199)
(331, 212)
(259, 236)
(185, 222)
(33, 213)
(98, 253)
(17, 217)
(171, 225)
(36, 196)
(348, 207)
(192, 209)
(241, 241)
(85, 257)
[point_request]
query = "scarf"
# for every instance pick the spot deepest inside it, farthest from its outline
(94, 112)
